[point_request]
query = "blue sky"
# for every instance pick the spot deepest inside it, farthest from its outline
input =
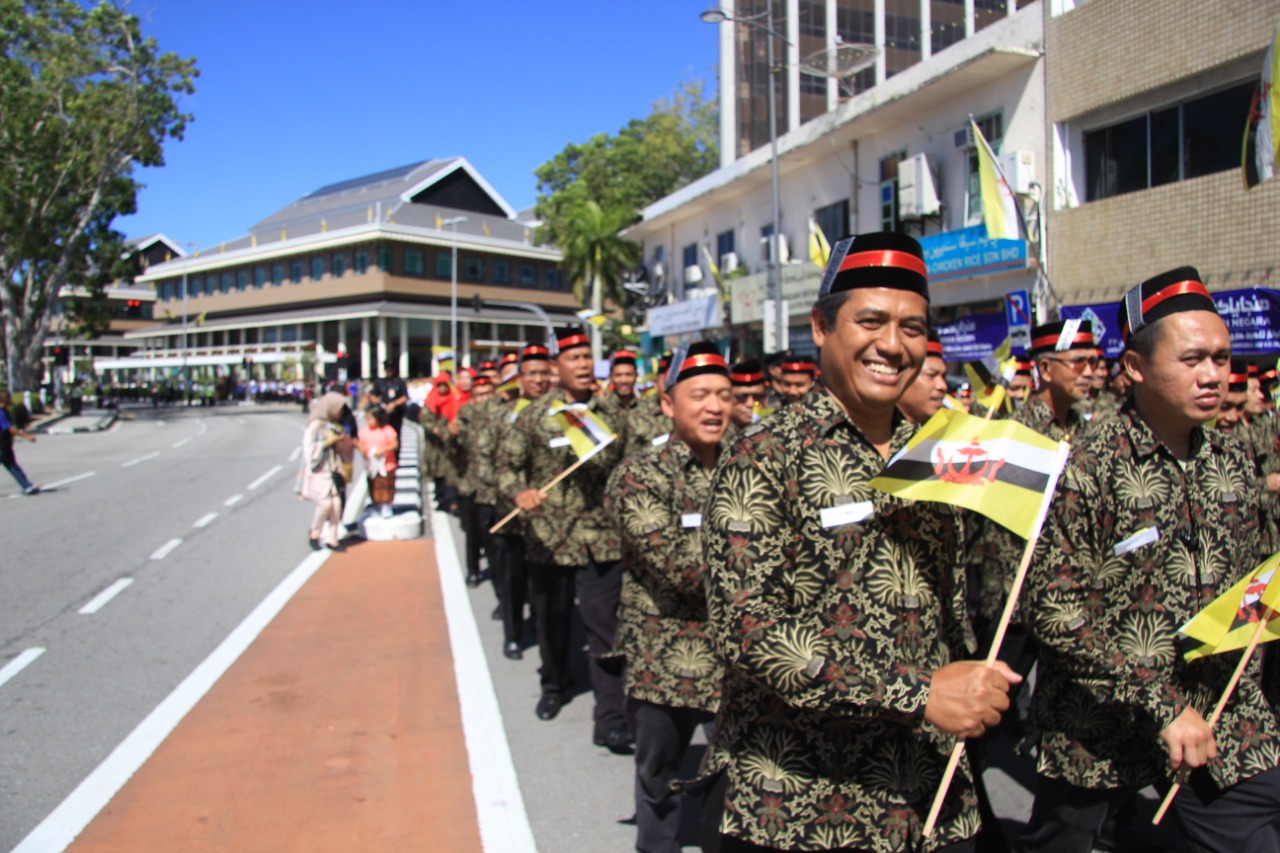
(296, 94)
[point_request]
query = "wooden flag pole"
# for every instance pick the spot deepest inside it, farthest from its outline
(1010, 604)
(1263, 618)
(543, 491)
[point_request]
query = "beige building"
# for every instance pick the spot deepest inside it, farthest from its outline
(353, 275)
(1147, 102)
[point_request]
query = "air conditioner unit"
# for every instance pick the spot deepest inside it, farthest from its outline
(692, 274)
(964, 137)
(916, 195)
(728, 262)
(1019, 170)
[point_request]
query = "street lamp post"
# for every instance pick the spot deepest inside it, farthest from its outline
(455, 221)
(718, 16)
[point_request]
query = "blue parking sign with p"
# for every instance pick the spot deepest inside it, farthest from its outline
(1017, 315)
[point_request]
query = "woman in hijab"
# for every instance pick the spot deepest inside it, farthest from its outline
(322, 481)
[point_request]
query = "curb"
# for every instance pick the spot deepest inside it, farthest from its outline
(103, 422)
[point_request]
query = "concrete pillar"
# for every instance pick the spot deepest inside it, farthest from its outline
(464, 359)
(382, 346)
(342, 336)
(404, 347)
(319, 335)
(435, 334)
(366, 368)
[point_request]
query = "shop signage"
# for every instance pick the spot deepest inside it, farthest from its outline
(799, 287)
(967, 253)
(973, 338)
(692, 315)
(1106, 324)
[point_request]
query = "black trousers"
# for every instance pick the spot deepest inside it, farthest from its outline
(471, 532)
(511, 576)
(1244, 818)
(662, 736)
(598, 586)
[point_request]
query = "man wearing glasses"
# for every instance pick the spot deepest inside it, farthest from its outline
(748, 392)
(1066, 356)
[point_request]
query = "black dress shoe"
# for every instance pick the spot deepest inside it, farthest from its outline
(618, 741)
(473, 580)
(496, 615)
(512, 651)
(315, 543)
(549, 706)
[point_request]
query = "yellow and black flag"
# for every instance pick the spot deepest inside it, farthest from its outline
(584, 432)
(998, 468)
(1227, 623)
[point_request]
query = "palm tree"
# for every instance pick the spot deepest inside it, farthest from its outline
(596, 256)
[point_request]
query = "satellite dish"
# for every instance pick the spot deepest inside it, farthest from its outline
(840, 63)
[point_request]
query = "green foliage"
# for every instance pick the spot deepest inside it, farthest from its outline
(594, 254)
(83, 100)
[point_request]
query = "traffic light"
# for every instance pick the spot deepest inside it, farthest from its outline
(477, 304)
(61, 356)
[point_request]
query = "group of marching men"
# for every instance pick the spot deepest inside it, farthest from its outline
(732, 568)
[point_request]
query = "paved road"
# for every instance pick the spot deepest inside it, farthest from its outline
(194, 510)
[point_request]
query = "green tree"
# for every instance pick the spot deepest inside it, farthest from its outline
(595, 256)
(84, 99)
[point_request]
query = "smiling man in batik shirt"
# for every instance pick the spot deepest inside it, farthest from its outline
(1155, 516)
(839, 610)
(672, 675)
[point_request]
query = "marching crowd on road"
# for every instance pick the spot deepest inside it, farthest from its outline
(732, 569)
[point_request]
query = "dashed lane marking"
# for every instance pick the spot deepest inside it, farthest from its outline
(265, 477)
(18, 664)
(166, 549)
(178, 444)
(133, 462)
(205, 520)
(69, 480)
(233, 500)
(100, 600)
(297, 451)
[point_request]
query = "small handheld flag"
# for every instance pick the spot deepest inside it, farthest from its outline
(595, 318)
(1226, 623)
(587, 434)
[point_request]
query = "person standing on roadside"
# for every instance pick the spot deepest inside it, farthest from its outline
(322, 482)
(392, 394)
(9, 431)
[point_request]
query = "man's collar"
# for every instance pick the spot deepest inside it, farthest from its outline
(1145, 442)
(823, 407)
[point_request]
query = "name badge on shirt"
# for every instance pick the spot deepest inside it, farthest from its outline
(661, 440)
(691, 519)
(1143, 537)
(560, 441)
(834, 516)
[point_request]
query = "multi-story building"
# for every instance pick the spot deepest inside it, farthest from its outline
(889, 148)
(357, 273)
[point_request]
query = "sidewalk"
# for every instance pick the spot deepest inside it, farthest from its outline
(337, 730)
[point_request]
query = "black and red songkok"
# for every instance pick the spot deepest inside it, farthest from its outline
(1168, 293)
(880, 259)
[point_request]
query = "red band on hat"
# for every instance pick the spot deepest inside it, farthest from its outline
(623, 355)
(1179, 289)
(534, 350)
(1269, 374)
(746, 378)
(799, 366)
(1253, 369)
(573, 341)
(1052, 340)
(1237, 378)
(509, 357)
(883, 258)
(935, 348)
(708, 359)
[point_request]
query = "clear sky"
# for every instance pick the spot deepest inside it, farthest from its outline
(296, 94)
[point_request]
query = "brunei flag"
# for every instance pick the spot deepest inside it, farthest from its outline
(987, 389)
(595, 318)
(759, 412)
(998, 468)
(586, 433)
(1227, 623)
(819, 248)
(999, 207)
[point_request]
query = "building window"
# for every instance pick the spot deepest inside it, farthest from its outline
(889, 191)
(813, 21)
(413, 262)
(724, 244)
(211, 284)
(242, 280)
(384, 259)
(226, 282)
(444, 265)
(295, 271)
(1187, 140)
(528, 275)
(501, 272)
(277, 274)
(317, 268)
(474, 268)
(992, 127)
(360, 262)
(554, 280)
(690, 255)
(166, 291)
(833, 220)
(259, 277)
(338, 265)
(811, 85)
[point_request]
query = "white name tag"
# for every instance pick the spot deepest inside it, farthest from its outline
(1137, 540)
(560, 441)
(834, 516)
(661, 440)
(691, 519)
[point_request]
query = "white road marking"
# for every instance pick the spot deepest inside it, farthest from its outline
(504, 824)
(265, 477)
(297, 451)
(20, 663)
(178, 444)
(115, 426)
(74, 479)
(100, 600)
(166, 549)
(204, 427)
(233, 500)
(159, 423)
(133, 462)
(60, 828)
(205, 520)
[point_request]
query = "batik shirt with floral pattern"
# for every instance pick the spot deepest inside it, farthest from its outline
(655, 499)
(831, 604)
(1107, 595)
(479, 425)
(570, 528)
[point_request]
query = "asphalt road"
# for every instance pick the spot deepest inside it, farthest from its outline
(170, 527)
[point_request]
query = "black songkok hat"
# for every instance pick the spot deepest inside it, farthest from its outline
(664, 361)
(567, 339)
(1061, 336)
(533, 352)
(748, 372)
(1168, 293)
(488, 365)
(1238, 377)
(695, 360)
(800, 364)
(624, 357)
(880, 259)
(934, 346)
(509, 358)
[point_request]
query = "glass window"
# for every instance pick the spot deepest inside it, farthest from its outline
(690, 255)
(946, 23)
(211, 284)
(444, 265)
(259, 277)
(242, 280)
(277, 274)
(528, 275)
(1212, 128)
(724, 243)
(295, 271)
(194, 283)
(226, 282)
(384, 258)
(553, 279)
(833, 220)
(1165, 141)
(1116, 159)
(501, 271)
(166, 291)
(992, 127)
(413, 262)
(360, 261)
(889, 191)
(474, 268)
(813, 21)
(338, 265)
(317, 268)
